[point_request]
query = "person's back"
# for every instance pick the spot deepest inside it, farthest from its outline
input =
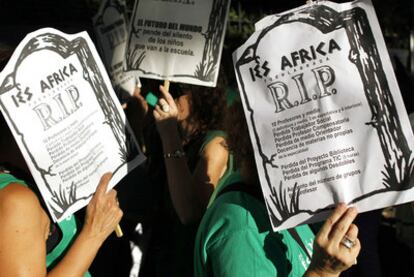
(235, 239)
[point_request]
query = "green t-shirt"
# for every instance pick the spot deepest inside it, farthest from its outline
(234, 239)
(67, 226)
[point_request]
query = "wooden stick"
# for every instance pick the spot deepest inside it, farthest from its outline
(118, 231)
(167, 85)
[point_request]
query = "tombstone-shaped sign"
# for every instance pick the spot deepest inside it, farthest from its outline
(325, 114)
(110, 24)
(60, 106)
(179, 41)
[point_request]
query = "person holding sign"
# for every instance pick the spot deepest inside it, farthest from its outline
(30, 243)
(235, 237)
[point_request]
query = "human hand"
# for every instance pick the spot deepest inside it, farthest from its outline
(166, 113)
(103, 213)
(140, 100)
(331, 254)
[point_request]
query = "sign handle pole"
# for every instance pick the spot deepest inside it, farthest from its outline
(167, 85)
(118, 231)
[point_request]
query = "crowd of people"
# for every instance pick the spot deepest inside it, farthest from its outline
(217, 221)
(207, 217)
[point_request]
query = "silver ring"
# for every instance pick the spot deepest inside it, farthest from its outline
(165, 108)
(347, 242)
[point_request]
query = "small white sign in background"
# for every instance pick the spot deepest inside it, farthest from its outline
(111, 29)
(180, 41)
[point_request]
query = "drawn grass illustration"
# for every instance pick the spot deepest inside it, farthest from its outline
(64, 197)
(399, 165)
(135, 58)
(401, 182)
(286, 206)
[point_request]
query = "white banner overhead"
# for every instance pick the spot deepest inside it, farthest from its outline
(110, 24)
(61, 108)
(180, 41)
(325, 114)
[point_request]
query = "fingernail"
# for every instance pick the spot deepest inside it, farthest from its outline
(353, 210)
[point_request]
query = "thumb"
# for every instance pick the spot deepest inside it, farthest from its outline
(103, 184)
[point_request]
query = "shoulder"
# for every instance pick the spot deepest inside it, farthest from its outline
(215, 148)
(23, 232)
(232, 239)
(19, 202)
(213, 137)
(234, 213)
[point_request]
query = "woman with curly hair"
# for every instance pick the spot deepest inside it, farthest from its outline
(196, 159)
(194, 147)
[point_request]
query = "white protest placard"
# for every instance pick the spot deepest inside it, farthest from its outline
(180, 41)
(110, 25)
(325, 114)
(60, 106)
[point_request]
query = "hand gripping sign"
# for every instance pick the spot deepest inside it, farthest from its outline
(60, 106)
(325, 114)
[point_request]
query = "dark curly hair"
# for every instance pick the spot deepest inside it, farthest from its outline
(208, 104)
(239, 143)
(207, 107)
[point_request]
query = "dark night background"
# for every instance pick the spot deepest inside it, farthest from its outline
(22, 16)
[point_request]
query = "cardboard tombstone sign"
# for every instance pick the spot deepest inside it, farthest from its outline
(180, 41)
(325, 114)
(110, 24)
(60, 106)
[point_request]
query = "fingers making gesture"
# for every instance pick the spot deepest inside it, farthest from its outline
(336, 246)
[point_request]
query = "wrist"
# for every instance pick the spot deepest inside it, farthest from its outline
(167, 127)
(91, 239)
(317, 272)
(176, 154)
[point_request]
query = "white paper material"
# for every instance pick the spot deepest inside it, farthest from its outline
(110, 25)
(60, 106)
(180, 41)
(325, 114)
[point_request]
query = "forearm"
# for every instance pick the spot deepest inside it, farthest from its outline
(315, 273)
(180, 181)
(78, 259)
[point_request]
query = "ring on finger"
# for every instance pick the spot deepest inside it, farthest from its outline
(165, 108)
(347, 242)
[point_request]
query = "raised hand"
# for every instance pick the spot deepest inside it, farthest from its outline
(336, 246)
(166, 113)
